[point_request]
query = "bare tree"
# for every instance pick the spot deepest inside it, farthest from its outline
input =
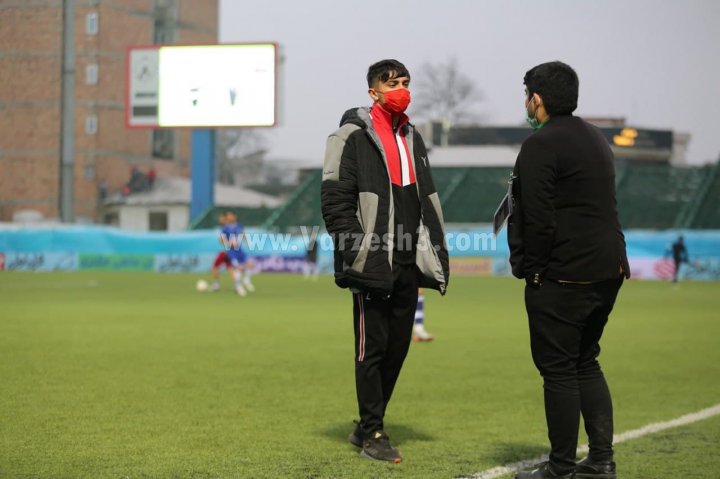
(238, 150)
(443, 93)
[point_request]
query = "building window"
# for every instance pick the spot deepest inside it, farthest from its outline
(163, 144)
(111, 219)
(91, 74)
(164, 26)
(92, 23)
(91, 124)
(89, 172)
(158, 221)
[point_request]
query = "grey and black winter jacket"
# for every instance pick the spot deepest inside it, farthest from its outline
(358, 208)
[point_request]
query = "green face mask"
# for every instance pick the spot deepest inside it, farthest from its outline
(532, 121)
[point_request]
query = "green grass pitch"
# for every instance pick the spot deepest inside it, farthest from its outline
(122, 375)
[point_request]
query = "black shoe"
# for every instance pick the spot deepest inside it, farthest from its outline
(542, 471)
(589, 469)
(378, 448)
(356, 437)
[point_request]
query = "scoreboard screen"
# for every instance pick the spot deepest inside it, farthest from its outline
(202, 86)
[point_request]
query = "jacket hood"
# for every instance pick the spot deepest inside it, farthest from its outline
(357, 116)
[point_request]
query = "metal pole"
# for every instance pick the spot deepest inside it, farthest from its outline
(67, 108)
(202, 172)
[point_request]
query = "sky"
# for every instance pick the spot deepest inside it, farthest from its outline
(655, 63)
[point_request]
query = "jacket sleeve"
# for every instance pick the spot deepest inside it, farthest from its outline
(537, 173)
(339, 195)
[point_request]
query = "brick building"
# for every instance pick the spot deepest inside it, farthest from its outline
(31, 63)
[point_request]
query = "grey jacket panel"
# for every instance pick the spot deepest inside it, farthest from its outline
(333, 151)
(427, 259)
(435, 200)
(367, 207)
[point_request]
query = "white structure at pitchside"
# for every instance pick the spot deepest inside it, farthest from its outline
(166, 207)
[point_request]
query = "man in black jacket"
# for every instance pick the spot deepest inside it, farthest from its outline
(566, 242)
(383, 213)
(680, 256)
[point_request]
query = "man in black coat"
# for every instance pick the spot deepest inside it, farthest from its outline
(566, 243)
(381, 208)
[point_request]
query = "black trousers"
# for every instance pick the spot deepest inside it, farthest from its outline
(566, 324)
(383, 332)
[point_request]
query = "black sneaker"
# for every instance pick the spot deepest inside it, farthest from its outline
(356, 437)
(378, 448)
(542, 471)
(589, 469)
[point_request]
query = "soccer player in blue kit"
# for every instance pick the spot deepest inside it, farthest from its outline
(232, 235)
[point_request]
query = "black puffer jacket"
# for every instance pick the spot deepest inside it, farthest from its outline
(357, 206)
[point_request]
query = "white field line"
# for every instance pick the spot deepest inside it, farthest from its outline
(499, 471)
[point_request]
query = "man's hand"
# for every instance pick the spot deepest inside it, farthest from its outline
(533, 280)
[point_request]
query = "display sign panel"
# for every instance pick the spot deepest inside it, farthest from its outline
(202, 86)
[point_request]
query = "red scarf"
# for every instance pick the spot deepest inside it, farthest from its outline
(400, 163)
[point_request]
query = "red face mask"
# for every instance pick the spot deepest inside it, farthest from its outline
(396, 101)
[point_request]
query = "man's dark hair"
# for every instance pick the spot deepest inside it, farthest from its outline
(557, 84)
(384, 70)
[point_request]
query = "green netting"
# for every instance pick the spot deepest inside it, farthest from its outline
(649, 196)
(707, 216)
(246, 216)
(477, 195)
(302, 208)
(447, 179)
(653, 196)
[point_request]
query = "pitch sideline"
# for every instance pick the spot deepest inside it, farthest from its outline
(499, 471)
